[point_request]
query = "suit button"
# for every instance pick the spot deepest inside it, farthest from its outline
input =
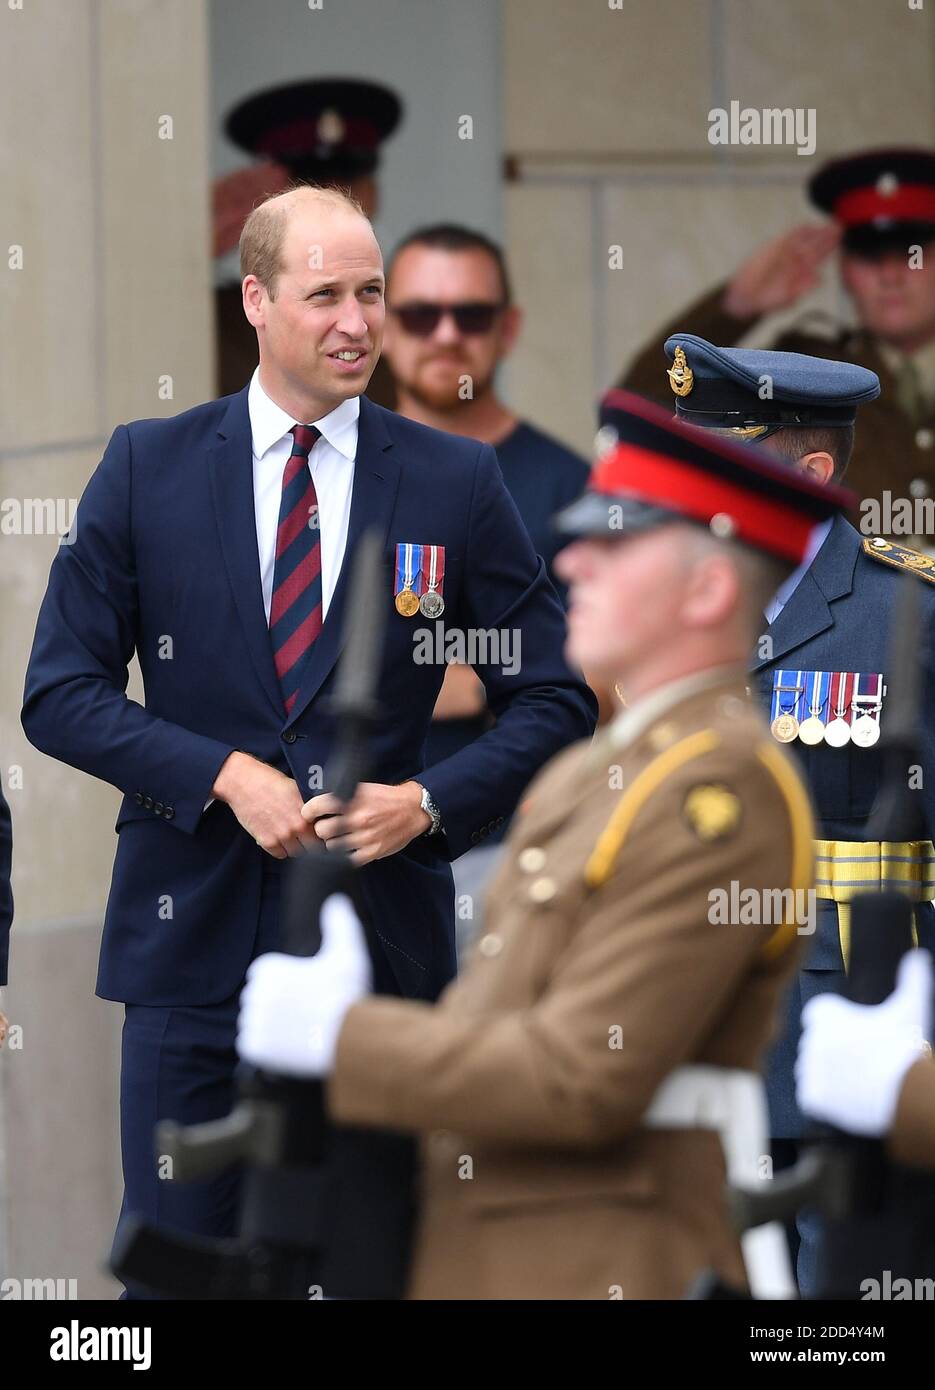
(475, 838)
(924, 439)
(148, 802)
(532, 860)
(542, 889)
(289, 736)
(159, 808)
(138, 798)
(169, 812)
(490, 945)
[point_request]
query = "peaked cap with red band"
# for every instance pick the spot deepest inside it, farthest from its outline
(653, 469)
(884, 199)
(320, 129)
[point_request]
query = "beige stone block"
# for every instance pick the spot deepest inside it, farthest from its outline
(59, 1097)
(50, 344)
(587, 79)
(865, 67)
(156, 293)
(62, 819)
(550, 377)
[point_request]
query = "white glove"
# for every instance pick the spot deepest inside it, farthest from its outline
(292, 1007)
(853, 1057)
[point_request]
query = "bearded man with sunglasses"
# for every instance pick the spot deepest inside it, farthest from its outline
(451, 321)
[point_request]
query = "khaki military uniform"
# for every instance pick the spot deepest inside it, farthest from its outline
(600, 972)
(892, 450)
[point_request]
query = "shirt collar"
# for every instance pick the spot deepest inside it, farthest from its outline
(923, 359)
(627, 726)
(269, 422)
(788, 587)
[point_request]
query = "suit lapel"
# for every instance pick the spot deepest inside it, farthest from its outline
(808, 612)
(376, 480)
(230, 469)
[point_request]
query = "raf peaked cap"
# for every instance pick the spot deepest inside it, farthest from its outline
(756, 392)
(653, 469)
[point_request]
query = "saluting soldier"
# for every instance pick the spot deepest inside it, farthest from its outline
(882, 209)
(569, 1089)
(821, 662)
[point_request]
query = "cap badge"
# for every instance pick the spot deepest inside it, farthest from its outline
(681, 377)
(331, 128)
(606, 439)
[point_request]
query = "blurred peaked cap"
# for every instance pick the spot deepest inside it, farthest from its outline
(318, 129)
(655, 469)
(884, 199)
(746, 389)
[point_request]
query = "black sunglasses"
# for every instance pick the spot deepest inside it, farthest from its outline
(421, 319)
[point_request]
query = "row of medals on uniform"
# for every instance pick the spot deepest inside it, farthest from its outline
(409, 565)
(837, 732)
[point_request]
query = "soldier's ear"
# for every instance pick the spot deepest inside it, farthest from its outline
(819, 466)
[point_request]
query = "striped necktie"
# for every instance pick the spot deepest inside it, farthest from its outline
(295, 613)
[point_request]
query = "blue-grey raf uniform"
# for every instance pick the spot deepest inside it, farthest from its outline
(834, 616)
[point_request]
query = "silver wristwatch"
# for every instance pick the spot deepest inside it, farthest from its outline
(430, 807)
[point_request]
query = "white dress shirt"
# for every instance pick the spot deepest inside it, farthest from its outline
(331, 459)
(332, 463)
(788, 587)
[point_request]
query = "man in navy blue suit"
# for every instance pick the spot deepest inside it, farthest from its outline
(821, 664)
(217, 545)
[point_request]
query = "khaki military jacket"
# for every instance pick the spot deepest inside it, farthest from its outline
(600, 971)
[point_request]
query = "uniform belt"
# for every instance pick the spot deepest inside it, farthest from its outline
(844, 868)
(732, 1102)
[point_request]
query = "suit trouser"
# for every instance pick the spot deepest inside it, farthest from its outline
(178, 1063)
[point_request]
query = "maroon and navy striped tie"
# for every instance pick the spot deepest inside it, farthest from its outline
(295, 613)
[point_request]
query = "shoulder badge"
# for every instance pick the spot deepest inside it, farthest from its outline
(681, 377)
(712, 810)
(900, 557)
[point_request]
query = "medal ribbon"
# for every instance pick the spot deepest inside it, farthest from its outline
(821, 685)
(867, 698)
(783, 686)
(436, 568)
(408, 563)
(842, 693)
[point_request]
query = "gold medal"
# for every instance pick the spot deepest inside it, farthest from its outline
(407, 603)
(784, 727)
(811, 730)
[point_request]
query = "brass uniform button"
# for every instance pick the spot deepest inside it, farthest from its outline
(542, 889)
(531, 860)
(490, 945)
(661, 737)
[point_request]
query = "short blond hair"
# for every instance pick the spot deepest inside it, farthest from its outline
(264, 231)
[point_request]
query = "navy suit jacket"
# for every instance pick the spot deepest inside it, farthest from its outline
(840, 618)
(162, 560)
(6, 892)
